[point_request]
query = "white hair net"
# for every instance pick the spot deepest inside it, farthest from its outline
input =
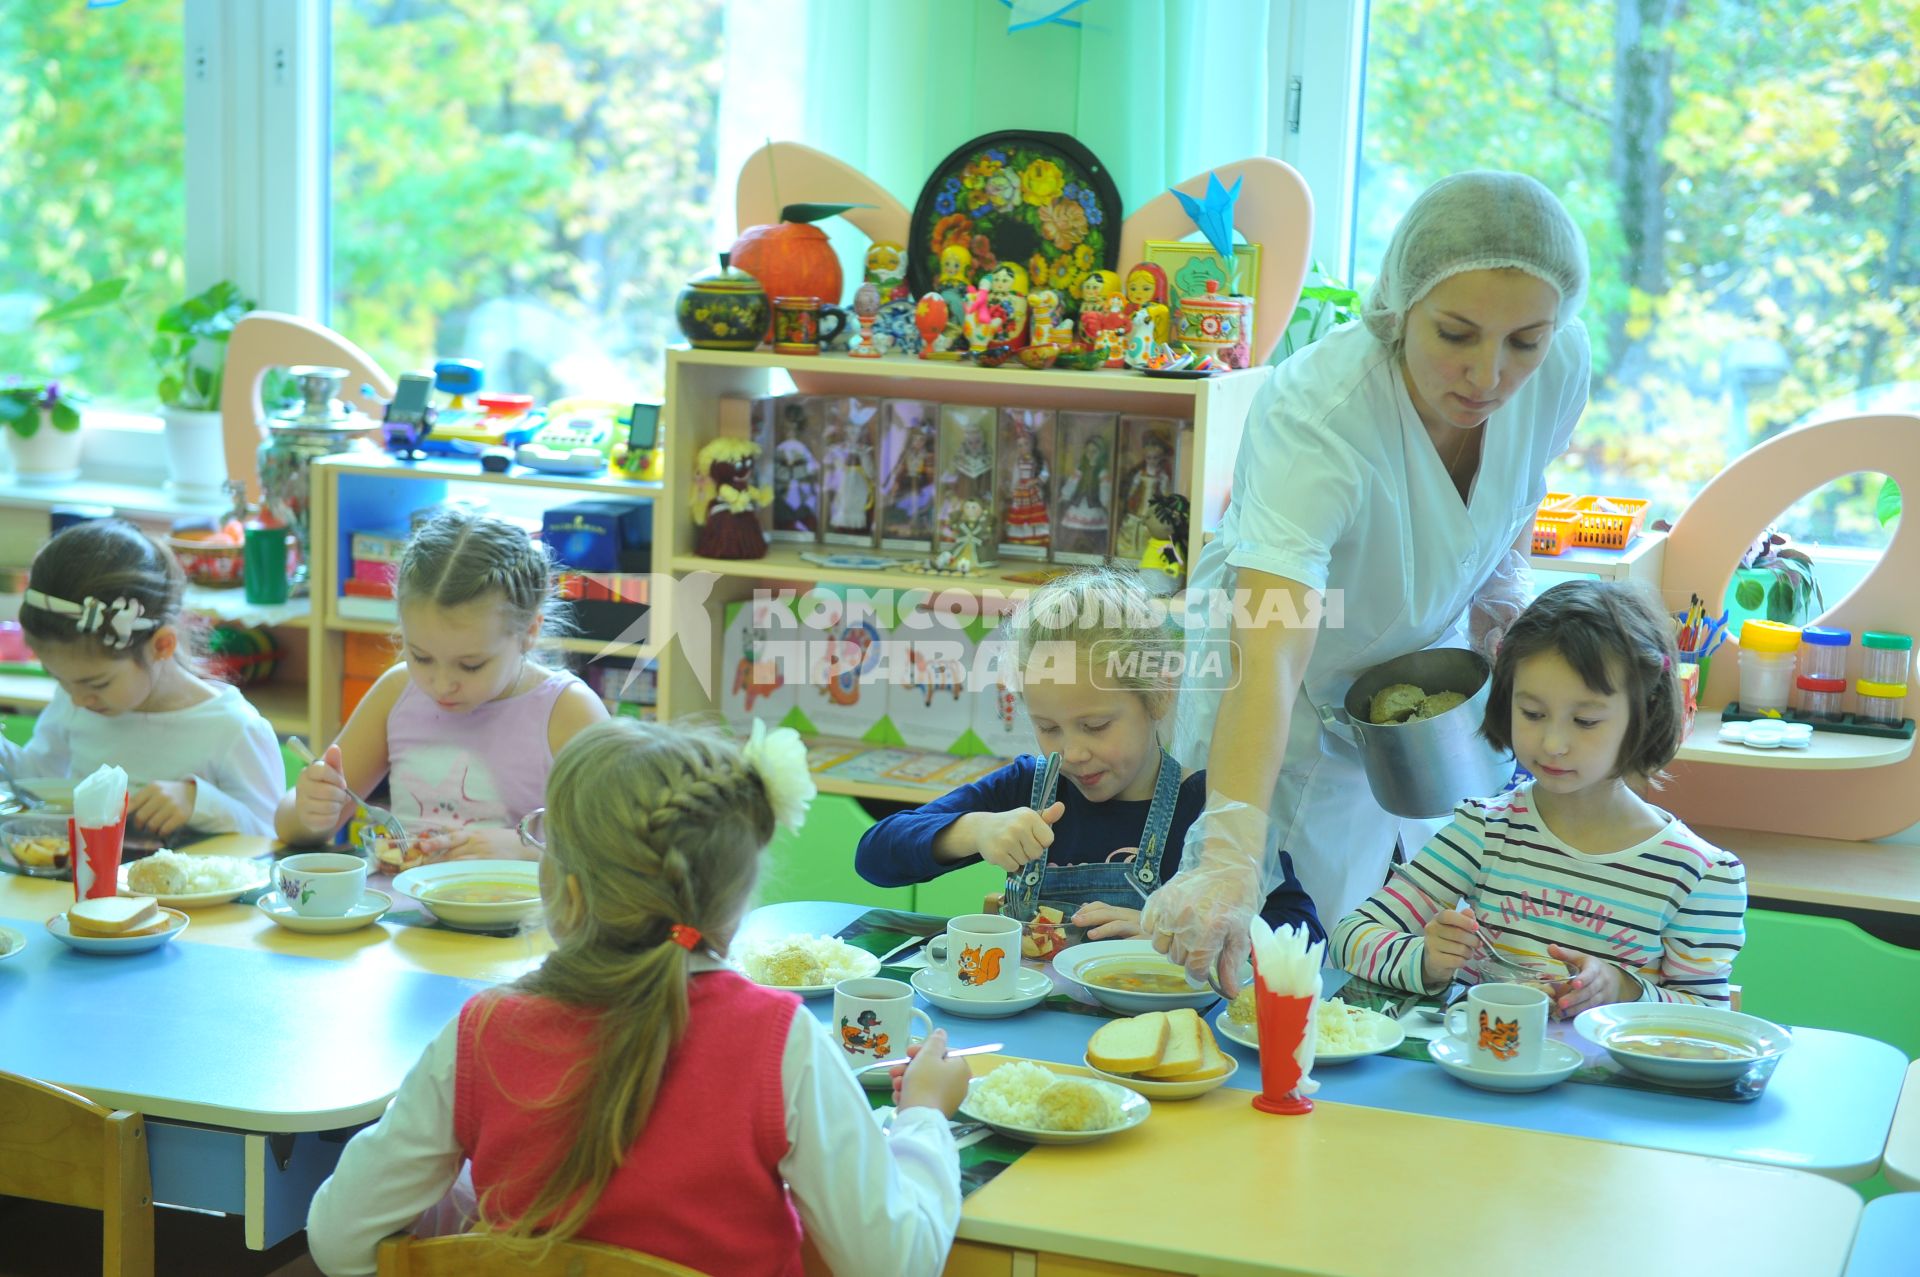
(1482, 220)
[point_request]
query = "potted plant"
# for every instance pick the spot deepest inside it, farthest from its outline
(43, 430)
(1323, 307)
(190, 350)
(1775, 582)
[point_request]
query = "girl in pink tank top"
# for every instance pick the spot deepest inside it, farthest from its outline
(466, 726)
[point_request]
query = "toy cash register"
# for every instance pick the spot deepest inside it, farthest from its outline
(578, 438)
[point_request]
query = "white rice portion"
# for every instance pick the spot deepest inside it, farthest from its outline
(1344, 1029)
(803, 961)
(197, 873)
(1011, 1095)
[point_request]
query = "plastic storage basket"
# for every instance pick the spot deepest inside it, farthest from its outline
(1608, 523)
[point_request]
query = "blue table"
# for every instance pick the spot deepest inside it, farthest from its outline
(251, 1067)
(1888, 1243)
(1827, 1109)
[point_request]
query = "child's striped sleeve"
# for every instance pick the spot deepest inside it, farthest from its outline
(1701, 940)
(1384, 939)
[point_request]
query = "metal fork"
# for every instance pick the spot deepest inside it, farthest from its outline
(382, 821)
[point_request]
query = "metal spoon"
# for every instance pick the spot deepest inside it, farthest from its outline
(985, 1049)
(384, 823)
(24, 797)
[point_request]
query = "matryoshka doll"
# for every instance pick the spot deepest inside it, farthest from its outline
(1047, 327)
(1147, 286)
(954, 283)
(886, 269)
(1101, 326)
(1007, 287)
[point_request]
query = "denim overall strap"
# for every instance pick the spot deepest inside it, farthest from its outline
(1079, 884)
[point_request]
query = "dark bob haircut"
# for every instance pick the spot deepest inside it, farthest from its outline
(1616, 638)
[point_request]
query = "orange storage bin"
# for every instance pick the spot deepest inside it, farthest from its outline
(1554, 500)
(351, 690)
(1554, 530)
(368, 656)
(1608, 523)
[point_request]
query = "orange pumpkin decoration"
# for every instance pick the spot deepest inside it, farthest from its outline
(792, 258)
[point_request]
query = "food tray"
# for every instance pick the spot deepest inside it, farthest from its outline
(1848, 725)
(1608, 529)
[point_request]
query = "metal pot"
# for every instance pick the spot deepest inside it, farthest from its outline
(1421, 769)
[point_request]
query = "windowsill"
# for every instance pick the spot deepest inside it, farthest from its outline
(122, 461)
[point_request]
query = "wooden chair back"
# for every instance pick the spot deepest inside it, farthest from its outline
(56, 1146)
(475, 1255)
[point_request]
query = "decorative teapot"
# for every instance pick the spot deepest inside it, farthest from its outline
(723, 310)
(319, 426)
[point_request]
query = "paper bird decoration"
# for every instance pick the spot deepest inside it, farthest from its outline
(1214, 215)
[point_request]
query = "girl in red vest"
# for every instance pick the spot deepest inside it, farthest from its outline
(634, 1090)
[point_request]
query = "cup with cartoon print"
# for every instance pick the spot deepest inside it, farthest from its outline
(981, 955)
(1501, 1026)
(874, 1019)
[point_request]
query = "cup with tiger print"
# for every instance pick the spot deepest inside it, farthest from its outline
(874, 1017)
(981, 955)
(1501, 1025)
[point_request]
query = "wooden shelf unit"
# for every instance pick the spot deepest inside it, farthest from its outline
(696, 382)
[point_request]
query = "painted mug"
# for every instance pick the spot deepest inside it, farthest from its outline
(981, 955)
(873, 1017)
(321, 884)
(798, 322)
(1502, 1026)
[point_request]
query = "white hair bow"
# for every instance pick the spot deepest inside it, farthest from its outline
(116, 623)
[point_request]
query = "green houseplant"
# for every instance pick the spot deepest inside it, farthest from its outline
(1776, 582)
(190, 351)
(1322, 308)
(43, 430)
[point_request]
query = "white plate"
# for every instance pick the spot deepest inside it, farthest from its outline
(11, 942)
(115, 944)
(1169, 1088)
(1557, 1063)
(1134, 1109)
(1070, 961)
(370, 908)
(201, 899)
(936, 986)
(1249, 1037)
(866, 963)
(1765, 1038)
(504, 916)
(1390, 1034)
(54, 792)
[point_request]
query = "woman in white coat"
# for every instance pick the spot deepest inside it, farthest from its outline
(1382, 499)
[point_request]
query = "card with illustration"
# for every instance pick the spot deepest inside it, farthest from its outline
(798, 424)
(999, 716)
(1083, 489)
(1026, 482)
(908, 431)
(1152, 464)
(968, 516)
(871, 765)
(753, 683)
(849, 458)
(928, 697)
(846, 692)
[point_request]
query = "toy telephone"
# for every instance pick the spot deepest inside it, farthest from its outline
(639, 456)
(578, 438)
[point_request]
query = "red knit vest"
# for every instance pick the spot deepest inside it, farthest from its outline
(701, 1185)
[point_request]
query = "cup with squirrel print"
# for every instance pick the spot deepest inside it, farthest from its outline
(981, 954)
(873, 1019)
(1502, 1026)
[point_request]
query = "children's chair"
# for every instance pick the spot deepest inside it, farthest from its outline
(1826, 973)
(56, 1146)
(476, 1255)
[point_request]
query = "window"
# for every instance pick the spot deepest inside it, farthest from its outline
(527, 185)
(91, 155)
(1742, 172)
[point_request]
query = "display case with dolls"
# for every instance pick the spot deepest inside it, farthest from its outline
(1083, 492)
(968, 512)
(849, 448)
(908, 430)
(1154, 456)
(1026, 482)
(797, 422)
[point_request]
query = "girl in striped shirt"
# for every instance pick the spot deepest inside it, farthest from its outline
(1571, 875)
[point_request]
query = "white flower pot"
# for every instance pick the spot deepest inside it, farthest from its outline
(196, 453)
(49, 456)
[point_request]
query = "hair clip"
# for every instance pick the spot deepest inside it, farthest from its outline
(686, 937)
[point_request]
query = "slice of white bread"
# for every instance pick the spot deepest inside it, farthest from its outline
(113, 916)
(1130, 1045)
(1214, 1062)
(1183, 1053)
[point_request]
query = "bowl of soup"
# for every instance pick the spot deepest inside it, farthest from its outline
(1680, 1043)
(476, 895)
(1132, 976)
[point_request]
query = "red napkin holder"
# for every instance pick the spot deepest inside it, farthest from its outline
(1283, 1025)
(100, 849)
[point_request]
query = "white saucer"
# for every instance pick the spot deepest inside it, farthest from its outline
(1557, 1063)
(936, 985)
(370, 908)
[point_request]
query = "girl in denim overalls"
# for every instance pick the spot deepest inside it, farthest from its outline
(1095, 823)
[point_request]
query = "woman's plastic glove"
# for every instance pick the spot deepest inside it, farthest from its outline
(1498, 603)
(1199, 917)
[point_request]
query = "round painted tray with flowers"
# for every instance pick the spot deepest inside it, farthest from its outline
(1039, 200)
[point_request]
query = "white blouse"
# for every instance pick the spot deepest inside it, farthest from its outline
(860, 1191)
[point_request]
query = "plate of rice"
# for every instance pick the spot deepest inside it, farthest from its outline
(807, 965)
(1341, 1032)
(180, 880)
(1031, 1102)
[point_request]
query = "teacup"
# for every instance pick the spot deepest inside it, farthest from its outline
(873, 1018)
(1502, 1026)
(981, 955)
(321, 884)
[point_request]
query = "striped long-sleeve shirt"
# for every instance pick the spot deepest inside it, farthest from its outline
(1669, 911)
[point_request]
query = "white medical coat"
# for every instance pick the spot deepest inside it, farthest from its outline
(1337, 486)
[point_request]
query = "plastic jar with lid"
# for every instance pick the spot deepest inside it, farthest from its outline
(1885, 657)
(1768, 651)
(1823, 653)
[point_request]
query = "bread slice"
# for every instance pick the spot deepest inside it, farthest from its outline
(1213, 1061)
(1183, 1052)
(1130, 1045)
(112, 915)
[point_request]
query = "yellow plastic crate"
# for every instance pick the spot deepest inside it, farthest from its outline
(1612, 528)
(1554, 530)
